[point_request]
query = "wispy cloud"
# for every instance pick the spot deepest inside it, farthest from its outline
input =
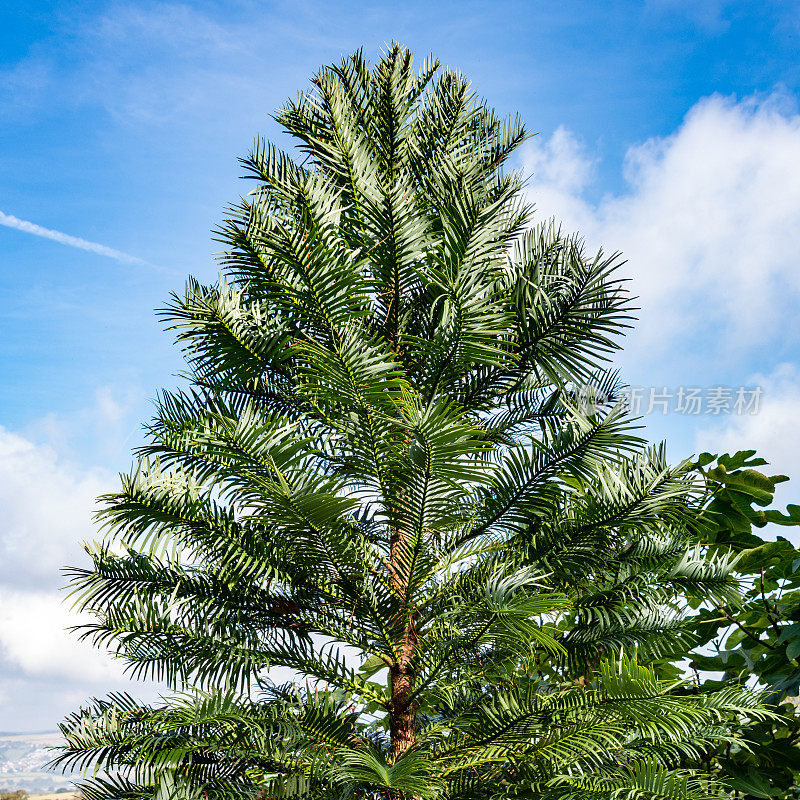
(10, 221)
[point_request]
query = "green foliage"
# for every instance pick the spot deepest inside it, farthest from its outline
(380, 476)
(756, 640)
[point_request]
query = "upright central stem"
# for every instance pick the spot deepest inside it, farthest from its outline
(402, 710)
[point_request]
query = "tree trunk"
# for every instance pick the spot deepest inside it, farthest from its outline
(402, 711)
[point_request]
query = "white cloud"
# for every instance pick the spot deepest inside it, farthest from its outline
(34, 639)
(47, 512)
(774, 432)
(711, 16)
(104, 430)
(10, 221)
(47, 502)
(166, 65)
(709, 221)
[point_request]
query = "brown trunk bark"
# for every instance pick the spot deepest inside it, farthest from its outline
(402, 711)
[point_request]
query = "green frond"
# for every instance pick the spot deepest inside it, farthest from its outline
(400, 468)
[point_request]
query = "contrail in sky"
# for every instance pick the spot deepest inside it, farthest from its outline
(11, 221)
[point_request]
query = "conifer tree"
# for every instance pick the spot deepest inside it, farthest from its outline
(382, 474)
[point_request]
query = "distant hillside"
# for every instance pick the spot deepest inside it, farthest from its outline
(23, 757)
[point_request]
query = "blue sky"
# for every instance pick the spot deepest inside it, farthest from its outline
(667, 129)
